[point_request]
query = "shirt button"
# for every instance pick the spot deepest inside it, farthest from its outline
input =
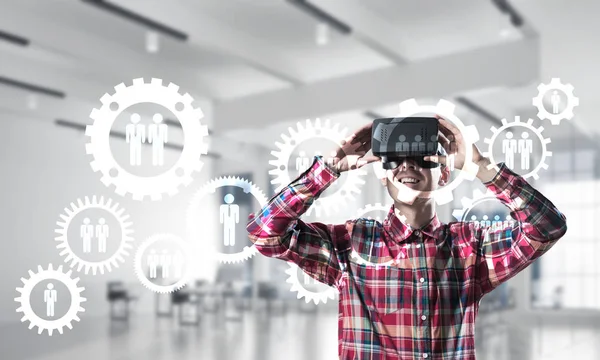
(422, 279)
(423, 317)
(425, 356)
(418, 246)
(417, 232)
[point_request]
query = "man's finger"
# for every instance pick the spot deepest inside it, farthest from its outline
(449, 126)
(436, 158)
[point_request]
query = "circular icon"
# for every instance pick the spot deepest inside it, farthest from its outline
(229, 215)
(523, 146)
(557, 92)
(50, 295)
(328, 201)
(307, 287)
(136, 134)
(94, 234)
(163, 263)
(383, 210)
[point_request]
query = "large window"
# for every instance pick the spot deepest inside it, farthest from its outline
(568, 276)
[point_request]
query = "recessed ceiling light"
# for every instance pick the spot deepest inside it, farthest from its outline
(152, 42)
(322, 34)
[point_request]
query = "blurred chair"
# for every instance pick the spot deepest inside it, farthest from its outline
(117, 294)
(270, 294)
(184, 298)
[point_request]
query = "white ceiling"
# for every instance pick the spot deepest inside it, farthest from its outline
(242, 48)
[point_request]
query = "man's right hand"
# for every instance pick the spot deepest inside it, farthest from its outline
(352, 152)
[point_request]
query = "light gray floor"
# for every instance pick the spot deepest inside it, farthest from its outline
(297, 336)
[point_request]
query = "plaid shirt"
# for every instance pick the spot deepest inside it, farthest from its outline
(423, 305)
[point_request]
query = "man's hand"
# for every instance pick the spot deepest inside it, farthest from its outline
(352, 153)
(454, 144)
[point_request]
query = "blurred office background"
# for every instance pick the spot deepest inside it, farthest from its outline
(257, 68)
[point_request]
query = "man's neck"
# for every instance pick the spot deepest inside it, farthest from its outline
(417, 214)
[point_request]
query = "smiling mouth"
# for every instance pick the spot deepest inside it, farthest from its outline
(408, 181)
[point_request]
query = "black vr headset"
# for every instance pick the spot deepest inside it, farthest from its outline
(396, 139)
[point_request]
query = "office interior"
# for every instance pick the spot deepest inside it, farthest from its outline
(259, 71)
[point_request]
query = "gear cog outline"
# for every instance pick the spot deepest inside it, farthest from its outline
(193, 213)
(324, 130)
(69, 215)
(572, 101)
(361, 214)
(153, 92)
(302, 292)
(469, 203)
(470, 134)
(139, 271)
(68, 317)
(528, 125)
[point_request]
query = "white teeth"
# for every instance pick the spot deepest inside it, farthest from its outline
(409, 180)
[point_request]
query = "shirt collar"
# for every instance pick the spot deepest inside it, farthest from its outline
(402, 231)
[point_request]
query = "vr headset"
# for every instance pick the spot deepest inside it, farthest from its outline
(395, 139)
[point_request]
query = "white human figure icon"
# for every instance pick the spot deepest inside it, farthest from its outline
(432, 145)
(496, 223)
(152, 260)
(87, 232)
(178, 264)
(135, 136)
(474, 219)
(555, 99)
(451, 156)
(165, 262)
(509, 148)
(158, 137)
(50, 298)
(102, 234)
(302, 162)
(418, 146)
(402, 145)
(308, 279)
(229, 216)
(488, 223)
(526, 149)
(331, 159)
(511, 221)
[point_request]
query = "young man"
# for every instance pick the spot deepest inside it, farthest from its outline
(422, 301)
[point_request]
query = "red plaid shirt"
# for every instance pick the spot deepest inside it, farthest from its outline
(424, 305)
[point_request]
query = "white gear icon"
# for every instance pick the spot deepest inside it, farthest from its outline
(120, 253)
(538, 131)
(139, 270)
(317, 130)
(141, 92)
(572, 101)
(308, 295)
(27, 310)
(469, 203)
(361, 214)
(194, 213)
(470, 134)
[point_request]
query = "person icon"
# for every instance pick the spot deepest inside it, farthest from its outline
(50, 298)
(165, 262)
(158, 137)
(525, 147)
(229, 216)
(432, 144)
(86, 232)
(308, 280)
(418, 146)
(152, 261)
(555, 100)
(402, 145)
(452, 154)
(302, 162)
(474, 220)
(178, 263)
(135, 136)
(496, 223)
(102, 234)
(331, 160)
(509, 148)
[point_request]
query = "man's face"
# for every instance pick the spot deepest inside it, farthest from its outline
(400, 178)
